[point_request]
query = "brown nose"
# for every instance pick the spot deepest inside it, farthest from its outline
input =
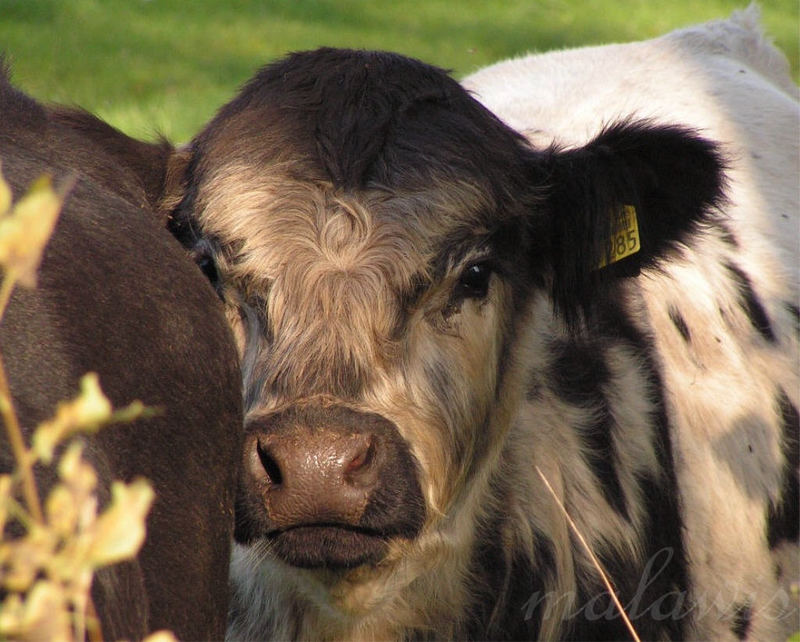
(327, 485)
(317, 475)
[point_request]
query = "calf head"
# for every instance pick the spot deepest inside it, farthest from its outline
(378, 238)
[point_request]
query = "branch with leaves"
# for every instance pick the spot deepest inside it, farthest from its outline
(47, 572)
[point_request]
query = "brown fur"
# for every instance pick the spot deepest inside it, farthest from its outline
(117, 296)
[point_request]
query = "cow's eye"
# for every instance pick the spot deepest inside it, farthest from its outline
(209, 268)
(204, 258)
(474, 281)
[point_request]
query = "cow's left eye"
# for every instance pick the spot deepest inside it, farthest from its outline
(204, 258)
(474, 281)
(209, 268)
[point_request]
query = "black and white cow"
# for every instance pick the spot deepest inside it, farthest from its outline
(116, 295)
(723, 316)
(439, 318)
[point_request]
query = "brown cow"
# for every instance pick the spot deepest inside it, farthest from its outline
(117, 296)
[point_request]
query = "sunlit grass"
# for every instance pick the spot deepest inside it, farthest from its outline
(167, 65)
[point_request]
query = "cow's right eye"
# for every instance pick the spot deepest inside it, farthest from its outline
(474, 281)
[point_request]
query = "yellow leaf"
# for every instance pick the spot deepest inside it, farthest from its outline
(11, 614)
(135, 410)
(120, 531)
(80, 480)
(26, 557)
(25, 232)
(5, 496)
(161, 636)
(61, 511)
(5, 194)
(71, 565)
(45, 614)
(78, 475)
(86, 413)
(94, 406)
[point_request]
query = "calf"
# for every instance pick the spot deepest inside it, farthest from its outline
(723, 318)
(117, 296)
(439, 320)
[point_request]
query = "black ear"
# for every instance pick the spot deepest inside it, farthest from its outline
(671, 178)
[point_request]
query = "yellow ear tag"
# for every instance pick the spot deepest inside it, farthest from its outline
(625, 240)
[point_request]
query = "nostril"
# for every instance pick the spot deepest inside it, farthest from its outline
(270, 465)
(359, 468)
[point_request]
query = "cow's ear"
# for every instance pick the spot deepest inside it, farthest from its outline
(621, 203)
(176, 208)
(176, 180)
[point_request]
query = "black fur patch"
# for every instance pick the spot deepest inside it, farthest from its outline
(512, 595)
(680, 323)
(783, 519)
(741, 621)
(523, 607)
(660, 603)
(751, 304)
(794, 310)
(672, 177)
(578, 374)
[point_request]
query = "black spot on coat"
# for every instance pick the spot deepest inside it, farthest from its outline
(680, 323)
(751, 304)
(741, 621)
(578, 374)
(783, 518)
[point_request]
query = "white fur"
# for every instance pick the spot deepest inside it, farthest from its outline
(726, 80)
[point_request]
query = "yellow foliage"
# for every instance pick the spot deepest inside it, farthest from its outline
(161, 636)
(119, 532)
(43, 615)
(5, 195)
(46, 573)
(26, 227)
(85, 413)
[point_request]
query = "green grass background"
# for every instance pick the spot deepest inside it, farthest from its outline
(167, 65)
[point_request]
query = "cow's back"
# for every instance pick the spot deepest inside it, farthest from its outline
(117, 296)
(723, 312)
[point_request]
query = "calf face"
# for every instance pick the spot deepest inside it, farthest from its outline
(379, 239)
